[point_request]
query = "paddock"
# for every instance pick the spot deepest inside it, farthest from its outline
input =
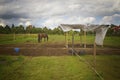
(51, 60)
(53, 49)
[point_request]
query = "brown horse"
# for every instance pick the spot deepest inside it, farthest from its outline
(42, 35)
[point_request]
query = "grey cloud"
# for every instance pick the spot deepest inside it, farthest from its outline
(44, 9)
(11, 14)
(48, 8)
(2, 2)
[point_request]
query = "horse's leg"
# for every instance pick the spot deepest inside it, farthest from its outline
(38, 38)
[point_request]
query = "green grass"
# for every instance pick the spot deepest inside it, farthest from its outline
(107, 65)
(59, 68)
(112, 41)
(49, 68)
(19, 38)
(32, 38)
(8, 64)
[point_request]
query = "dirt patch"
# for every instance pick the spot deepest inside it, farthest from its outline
(52, 49)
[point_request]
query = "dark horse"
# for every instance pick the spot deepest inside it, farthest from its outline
(42, 35)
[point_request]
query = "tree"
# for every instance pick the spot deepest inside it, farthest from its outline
(45, 30)
(49, 31)
(29, 29)
(34, 30)
(57, 31)
(13, 28)
(1, 29)
(21, 29)
(13, 25)
(7, 29)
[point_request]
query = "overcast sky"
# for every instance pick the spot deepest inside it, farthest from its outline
(52, 13)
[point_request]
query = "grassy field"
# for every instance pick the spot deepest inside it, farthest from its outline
(58, 68)
(32, 38)
(54, 67)
(107, 66)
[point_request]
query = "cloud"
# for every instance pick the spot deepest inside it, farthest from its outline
(24, 19)
(116, 6)
(89, 20)
(10, 15)
(28, 23)
(20, 23)
(40, 8)
(2, 23)
(107, 20)
(111, 19)
(56, 21)
(54, 12)
(6, 1)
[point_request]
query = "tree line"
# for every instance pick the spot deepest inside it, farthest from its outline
(29, 29)
(113, 31)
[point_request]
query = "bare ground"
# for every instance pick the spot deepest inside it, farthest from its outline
(53, 49)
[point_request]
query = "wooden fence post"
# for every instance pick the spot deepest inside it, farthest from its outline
(80, 34)
(84, 39)
(72, 43)
(94, 54)
(66, 39)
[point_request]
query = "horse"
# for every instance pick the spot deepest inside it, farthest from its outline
(42, 35)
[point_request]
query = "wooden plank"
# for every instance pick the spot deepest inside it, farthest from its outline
(66, 39)
(80, 34)
(94, 54)
(84, 39)
(72, 42)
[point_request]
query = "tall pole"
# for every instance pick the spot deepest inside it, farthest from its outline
(84, 39)
(72, 43)
(94, 53)
(66, 39)
(80, 34)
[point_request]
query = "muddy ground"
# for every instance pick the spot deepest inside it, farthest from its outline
(54, 49)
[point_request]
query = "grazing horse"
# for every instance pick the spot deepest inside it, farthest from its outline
(42, 35)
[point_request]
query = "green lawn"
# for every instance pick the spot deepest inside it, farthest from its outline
(46, 68)
(58, 68)
(107, 65)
